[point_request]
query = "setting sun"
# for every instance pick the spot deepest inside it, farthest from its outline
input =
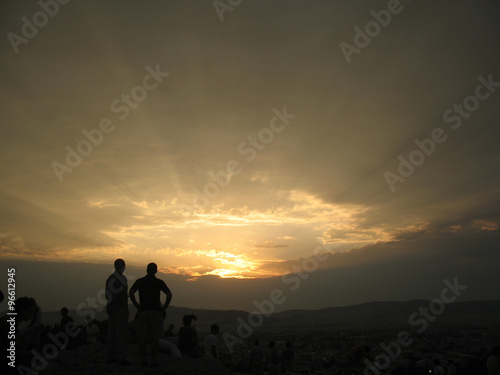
(238, 147)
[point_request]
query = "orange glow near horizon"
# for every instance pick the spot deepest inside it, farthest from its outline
(235, 242)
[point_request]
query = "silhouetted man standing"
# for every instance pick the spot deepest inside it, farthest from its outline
(117, 309)
(149, 316)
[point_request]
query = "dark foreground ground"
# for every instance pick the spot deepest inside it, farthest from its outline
(320, 352)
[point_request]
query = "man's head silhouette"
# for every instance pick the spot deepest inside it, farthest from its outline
(152, 268)
(120, 265)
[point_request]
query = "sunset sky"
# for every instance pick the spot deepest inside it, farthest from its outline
(228, 144)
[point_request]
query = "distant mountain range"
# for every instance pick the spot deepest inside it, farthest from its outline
(391, 315)
(366, 316)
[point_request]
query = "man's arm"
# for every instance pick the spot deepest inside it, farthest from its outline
(168, 294)
(109, 288)
(131, 294)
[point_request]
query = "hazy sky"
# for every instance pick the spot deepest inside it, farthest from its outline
(231, 141)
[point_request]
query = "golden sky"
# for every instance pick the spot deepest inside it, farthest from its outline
(233, 147)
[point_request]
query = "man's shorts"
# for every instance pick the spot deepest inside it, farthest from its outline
(150, 324)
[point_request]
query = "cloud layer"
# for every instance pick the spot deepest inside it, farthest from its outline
(253, 139)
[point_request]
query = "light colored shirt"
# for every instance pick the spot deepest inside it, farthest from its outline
(209, 342)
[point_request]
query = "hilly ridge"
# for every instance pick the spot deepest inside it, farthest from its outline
(370, 315)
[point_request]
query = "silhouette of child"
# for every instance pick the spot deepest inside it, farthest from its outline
(210, 342)
(188, 337)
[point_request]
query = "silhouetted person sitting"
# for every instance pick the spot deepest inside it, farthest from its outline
(169, 342)
(493, 361)
(64, 325)
(92, 331)
(438, 369)
(273, 359)
(118, 314)
(65, 319)
(170, 331)
(149, 312)
(210, 342)
(257, 359)
(188, 337)
(27, 310)
(31, 334)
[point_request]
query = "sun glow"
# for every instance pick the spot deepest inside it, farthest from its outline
(232, 242)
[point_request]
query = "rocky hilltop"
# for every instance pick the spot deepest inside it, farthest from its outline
(91, 360)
